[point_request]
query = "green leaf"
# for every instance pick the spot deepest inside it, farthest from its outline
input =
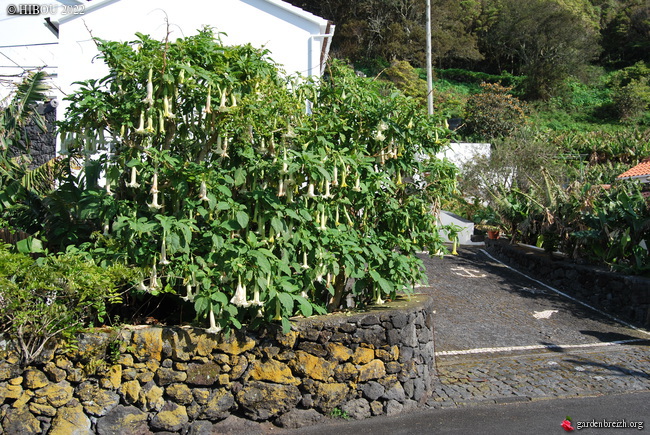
(277, 225)
(292, 214)
(30, 245)
(305, 306)
(222, 205)
(219, 297)
(286, 325)
(385, 285)
(223, 189)
(261, 261)
(201, 304)
(240, 176)
(242, 218)
(287, 302)
(283, 267)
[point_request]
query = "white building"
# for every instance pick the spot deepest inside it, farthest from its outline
(60, 39)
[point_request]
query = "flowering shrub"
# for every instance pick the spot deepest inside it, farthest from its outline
(253, 195)
(52, 297)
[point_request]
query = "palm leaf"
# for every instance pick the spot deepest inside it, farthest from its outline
(31, 91)
(20, 110)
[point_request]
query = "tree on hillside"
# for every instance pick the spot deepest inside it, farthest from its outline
(395, 30)
(544, 40)
(626, 38)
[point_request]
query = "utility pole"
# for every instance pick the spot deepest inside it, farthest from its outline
(429, 71)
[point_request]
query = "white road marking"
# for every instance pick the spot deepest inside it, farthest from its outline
(467, 273)
(534, 291)
(546, 314)
(609, 316)
(535, 347)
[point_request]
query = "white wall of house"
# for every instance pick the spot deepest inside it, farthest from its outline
(25, 45)
(294, 37)
(290, 35)
(460, 153)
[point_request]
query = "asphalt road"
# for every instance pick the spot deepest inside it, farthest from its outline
(538, 417)
(516, 356)
(483, 304)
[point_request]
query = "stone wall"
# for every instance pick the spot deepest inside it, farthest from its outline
(184, 380)
(42, 144)
(625, 296)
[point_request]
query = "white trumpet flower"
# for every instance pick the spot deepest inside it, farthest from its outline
(213, 329)
(154, 202)
(222, 104)
(107, 186)
(239, 299)
(149, 98)
(310, 191)
(203, 192)
(189, 296)
(150, 128)
(167, 108)
(344, 176)
(357, 184)
(224, 151)
(134, 175)
(154, 183)
(154, 190)
(304, 260)
(208, 102)
(161, 122)
(323, 221)
(256, 298)
(140, 129)
(327, 190)
(281, 188)
(153, 284)
(163, 254)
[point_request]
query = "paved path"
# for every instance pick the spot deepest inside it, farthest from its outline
(540, 417)
(502, 337)
(505, 346)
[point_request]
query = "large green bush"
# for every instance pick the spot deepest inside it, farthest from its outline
(253, 195)
(631, 92)
(617, 230)
(494, 112)
(52, 297)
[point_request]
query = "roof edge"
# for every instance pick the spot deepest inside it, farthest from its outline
(295, 10)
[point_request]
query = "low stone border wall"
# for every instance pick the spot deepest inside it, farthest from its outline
(183, 380)
(625, 296)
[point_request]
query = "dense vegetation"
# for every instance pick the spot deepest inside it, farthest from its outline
(224, 193)
(544, 40)
(561, 88)
(195, 178)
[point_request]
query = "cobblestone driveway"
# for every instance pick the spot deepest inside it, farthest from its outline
(503, 337)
